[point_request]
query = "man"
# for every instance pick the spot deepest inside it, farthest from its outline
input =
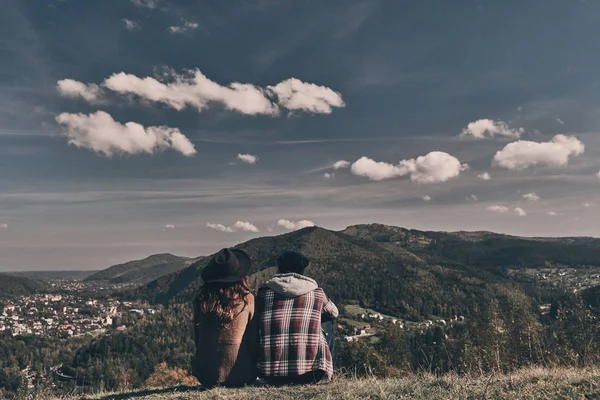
(291, 308)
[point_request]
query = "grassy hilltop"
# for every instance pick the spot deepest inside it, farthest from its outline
(529, 383)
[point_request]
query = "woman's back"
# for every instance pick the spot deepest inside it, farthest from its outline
(226, 353)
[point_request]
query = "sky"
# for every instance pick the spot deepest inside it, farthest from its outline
(135, 127)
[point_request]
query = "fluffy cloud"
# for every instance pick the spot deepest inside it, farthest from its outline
(294, 225)
(183, 28)
(587, 204)
(426, 198)
(433, 167)
(169, 226)
(485, 176)
(247, 158)
(497, 208)
(73, 89)
(194, 90)
(151, 4)
(552, 213)
(100, 133)
(503, 210)
(376, 170)
(560, 121)
(3, 226)
(520, 212)
(239, 226)
(486, 128)
(346, 164)
(531, 196)
(294, 94)
(129, 24)
(327, 175)
(471, 197)
(523, 153)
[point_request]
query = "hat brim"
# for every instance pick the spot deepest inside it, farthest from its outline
(240, 274)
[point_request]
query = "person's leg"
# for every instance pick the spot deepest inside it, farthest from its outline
(329, 335)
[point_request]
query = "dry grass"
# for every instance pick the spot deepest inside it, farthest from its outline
(534, 383)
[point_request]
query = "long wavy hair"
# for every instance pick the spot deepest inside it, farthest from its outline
(219, 301)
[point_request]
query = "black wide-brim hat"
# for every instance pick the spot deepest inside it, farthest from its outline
(227, 266)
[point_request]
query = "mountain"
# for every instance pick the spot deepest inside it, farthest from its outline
(485, 249)
(11, 286)
(142, 271)
(52, 275)
(404, 272)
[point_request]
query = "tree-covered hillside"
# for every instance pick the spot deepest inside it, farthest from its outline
(18, 286)
(143, 271)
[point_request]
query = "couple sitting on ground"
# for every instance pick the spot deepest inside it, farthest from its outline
(278, 337)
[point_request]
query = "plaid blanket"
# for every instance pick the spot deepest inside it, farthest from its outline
(291, 339)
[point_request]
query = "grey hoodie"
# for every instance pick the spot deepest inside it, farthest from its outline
(294, 285)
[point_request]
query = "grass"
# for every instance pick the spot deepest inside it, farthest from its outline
(530, 383)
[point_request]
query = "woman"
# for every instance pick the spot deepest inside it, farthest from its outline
(225, 329)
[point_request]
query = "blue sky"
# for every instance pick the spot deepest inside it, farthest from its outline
(129, 128)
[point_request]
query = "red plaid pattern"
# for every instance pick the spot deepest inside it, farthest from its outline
(291, 339)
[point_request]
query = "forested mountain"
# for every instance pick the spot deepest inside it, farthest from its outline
(52, 275)
(18, 286)
(485, 249)
(409, 273)
(142, 271)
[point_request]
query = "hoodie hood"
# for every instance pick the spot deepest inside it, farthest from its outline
(291, 285)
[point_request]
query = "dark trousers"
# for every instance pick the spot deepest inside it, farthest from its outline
(304, 379)
(329, 335)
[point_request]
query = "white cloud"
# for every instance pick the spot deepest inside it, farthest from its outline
(376, 170)
(343, 164)
(522, 153)
(328, 175)
(73, 89)
(100, 133)
(247, 158)
(294, 225)
(552, 213)
(520, 212)
(129, 24)
(560, 121)
(245, 226)
(471, 197)
(588, 204)
(237, 227)
(427, 198)
(151, 4)
(433, 167)
(487, 128)
(169, 226)
(194, 90)
(485, 176)
(294, 94)
(3, 226)
(531, 196)
(497, 208)
(183, 28)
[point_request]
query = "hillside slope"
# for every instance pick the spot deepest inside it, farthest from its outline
(348, 267)
(407, 273)
(531, 383)
(142, 271)
(11, 286)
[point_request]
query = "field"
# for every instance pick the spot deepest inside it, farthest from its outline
(532, 383)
